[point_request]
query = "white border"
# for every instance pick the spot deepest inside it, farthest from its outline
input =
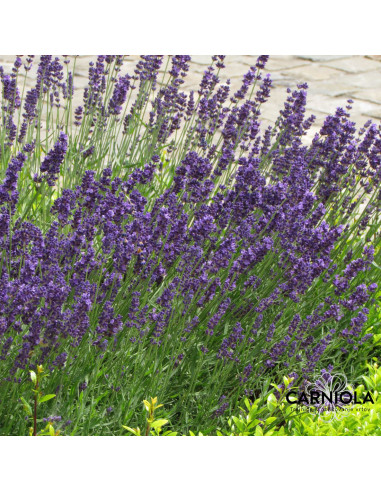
(196, 26)
(188, 464)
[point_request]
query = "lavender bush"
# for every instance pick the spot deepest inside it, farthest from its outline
(155, 242)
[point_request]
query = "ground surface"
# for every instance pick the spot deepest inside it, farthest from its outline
(331, 79)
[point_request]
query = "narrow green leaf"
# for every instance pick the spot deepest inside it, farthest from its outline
(133, 431)
(46, 398)
(27, 407)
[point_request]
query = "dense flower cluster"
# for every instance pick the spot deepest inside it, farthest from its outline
(214, 242)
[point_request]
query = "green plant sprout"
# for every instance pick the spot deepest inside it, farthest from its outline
(153, 426)
(39, 398)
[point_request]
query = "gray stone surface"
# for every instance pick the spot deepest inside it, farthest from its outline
(312, 71)
(322, 58)
(332, 79)
(354, 64)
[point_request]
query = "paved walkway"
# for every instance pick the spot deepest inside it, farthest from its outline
(331, 79)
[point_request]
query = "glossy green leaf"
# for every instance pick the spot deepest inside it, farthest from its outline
(46, 398)
(159, 423)
(33, 377)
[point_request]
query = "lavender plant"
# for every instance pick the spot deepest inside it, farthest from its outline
(155, 241)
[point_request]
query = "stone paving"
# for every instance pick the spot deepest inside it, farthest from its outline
(332, 79)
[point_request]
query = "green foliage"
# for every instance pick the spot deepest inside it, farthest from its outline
(120, 379)
(153, 426)
(275, 417)
(355, 423)
(38, 398)
(268, 415)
